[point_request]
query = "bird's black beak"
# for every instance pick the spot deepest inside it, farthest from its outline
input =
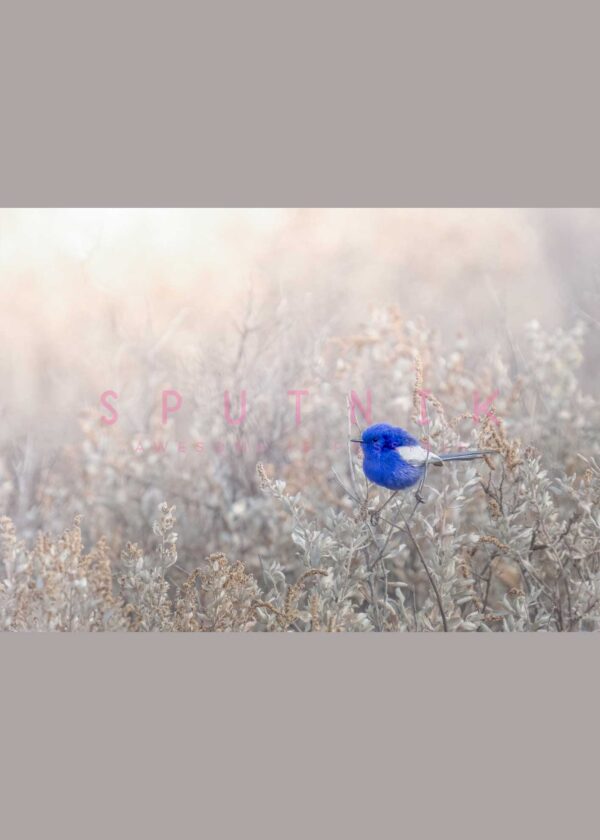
(355, 441)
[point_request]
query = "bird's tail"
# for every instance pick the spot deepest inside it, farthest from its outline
(467, 456)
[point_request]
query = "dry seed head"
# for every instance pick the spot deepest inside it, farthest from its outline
(494, 508)
(263, 479)
(418, 387)
(314, 612)
(494, 541)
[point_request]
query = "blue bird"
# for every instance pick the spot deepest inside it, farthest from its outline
(396, 460)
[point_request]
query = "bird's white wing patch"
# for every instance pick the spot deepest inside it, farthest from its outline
(417, 455)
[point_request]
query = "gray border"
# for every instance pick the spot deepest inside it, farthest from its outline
(293, 736)
(346, 105)
(281, 104)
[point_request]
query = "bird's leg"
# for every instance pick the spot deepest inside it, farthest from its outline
(387, 501)
(375, 513)
(418, 495)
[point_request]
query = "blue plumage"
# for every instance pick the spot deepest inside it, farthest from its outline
(396, 460)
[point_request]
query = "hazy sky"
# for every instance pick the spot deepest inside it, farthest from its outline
(76, 286)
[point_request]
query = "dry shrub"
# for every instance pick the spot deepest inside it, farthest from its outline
(509, 543)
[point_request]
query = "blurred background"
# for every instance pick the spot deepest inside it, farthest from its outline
(77, 286)
(263, 300)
